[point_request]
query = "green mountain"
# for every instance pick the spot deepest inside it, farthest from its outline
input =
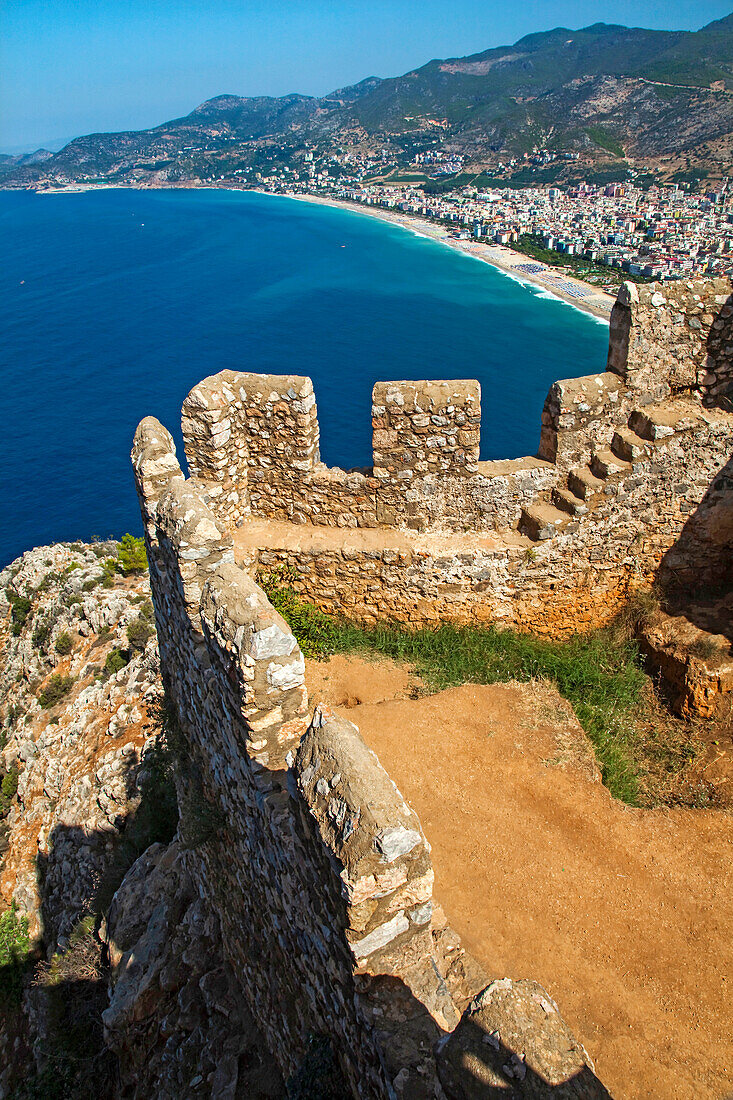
(609, 95)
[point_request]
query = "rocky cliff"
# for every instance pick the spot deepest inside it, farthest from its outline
(100, 1002)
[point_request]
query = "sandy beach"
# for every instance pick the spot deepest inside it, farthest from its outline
(572, 291)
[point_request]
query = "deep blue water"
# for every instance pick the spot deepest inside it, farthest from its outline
(113, 304)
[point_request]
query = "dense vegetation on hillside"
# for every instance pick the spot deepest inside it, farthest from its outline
(608, 92)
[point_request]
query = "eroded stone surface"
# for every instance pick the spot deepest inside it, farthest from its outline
(512, 1041)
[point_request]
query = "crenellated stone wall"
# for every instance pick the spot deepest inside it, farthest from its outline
(316, 867)
(672, 338)
(252, 440)
(667, 517)
(318, 870)
(632, 482)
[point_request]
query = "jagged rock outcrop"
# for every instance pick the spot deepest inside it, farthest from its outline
(513, 1042)
(80, 689)
(77, 698)
(178, 1019)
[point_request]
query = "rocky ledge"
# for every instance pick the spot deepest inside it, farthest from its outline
(111, 982)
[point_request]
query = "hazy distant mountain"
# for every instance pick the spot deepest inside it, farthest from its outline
(662, 99)
(9, 163)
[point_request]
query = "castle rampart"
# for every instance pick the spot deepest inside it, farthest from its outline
(318, 869)
(631, 484)
(674, 338)
(316, 866)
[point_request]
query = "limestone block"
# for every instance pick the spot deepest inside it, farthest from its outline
(512, 1039)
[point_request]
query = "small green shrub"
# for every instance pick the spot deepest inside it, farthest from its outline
(41, 634)
(56, 688)
(91, 584)
(138, 632)
(704, 648)
(15, 712)
(64, 644)
(110, 569)
(14, 951)
(20, 610)
(116, 659)
(131, 555)
(8, 790)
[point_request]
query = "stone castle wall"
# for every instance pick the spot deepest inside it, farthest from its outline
(253, 440)
(632, 482)
(668, 518)
(675, 338)
(319, 871)
(312, 860)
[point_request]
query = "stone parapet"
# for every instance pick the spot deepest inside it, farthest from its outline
(667, 516)
(422, 428)
(317, 870)
(580, 416)
(674, 338)
(252, 440)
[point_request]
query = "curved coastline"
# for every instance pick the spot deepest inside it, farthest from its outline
(504, 260)
(593, 302)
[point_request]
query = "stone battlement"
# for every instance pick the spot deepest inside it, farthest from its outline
(252, 441)
(317, 868)
(631, 483)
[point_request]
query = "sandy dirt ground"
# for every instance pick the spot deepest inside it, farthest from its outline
(625, 915)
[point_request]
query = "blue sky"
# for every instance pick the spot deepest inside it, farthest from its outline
(69, 67)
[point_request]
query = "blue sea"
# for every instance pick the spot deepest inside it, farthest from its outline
(114, 303)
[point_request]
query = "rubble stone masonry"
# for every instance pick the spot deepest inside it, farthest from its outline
(317, 868)
(314, 864)
(632, 481)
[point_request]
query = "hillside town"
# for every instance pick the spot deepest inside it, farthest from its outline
(661, 232)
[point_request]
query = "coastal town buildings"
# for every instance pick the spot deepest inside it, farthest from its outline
(659, 232)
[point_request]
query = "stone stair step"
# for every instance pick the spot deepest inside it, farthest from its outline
(583, 482)
(628, 445)
(542, 521)
(644, 425)
(568, 502)
(661, 421)
(605, 463)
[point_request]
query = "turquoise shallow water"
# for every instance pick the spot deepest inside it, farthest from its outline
(113, 304)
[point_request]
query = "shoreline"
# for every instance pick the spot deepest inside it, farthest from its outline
(523, 269)
(560, 286)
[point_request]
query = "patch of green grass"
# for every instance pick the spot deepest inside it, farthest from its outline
(605, 140)
(14, 951)
(599, 673)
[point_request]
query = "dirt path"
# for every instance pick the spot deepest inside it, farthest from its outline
(626, 916)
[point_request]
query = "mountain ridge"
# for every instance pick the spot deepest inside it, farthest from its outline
(648, 99)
